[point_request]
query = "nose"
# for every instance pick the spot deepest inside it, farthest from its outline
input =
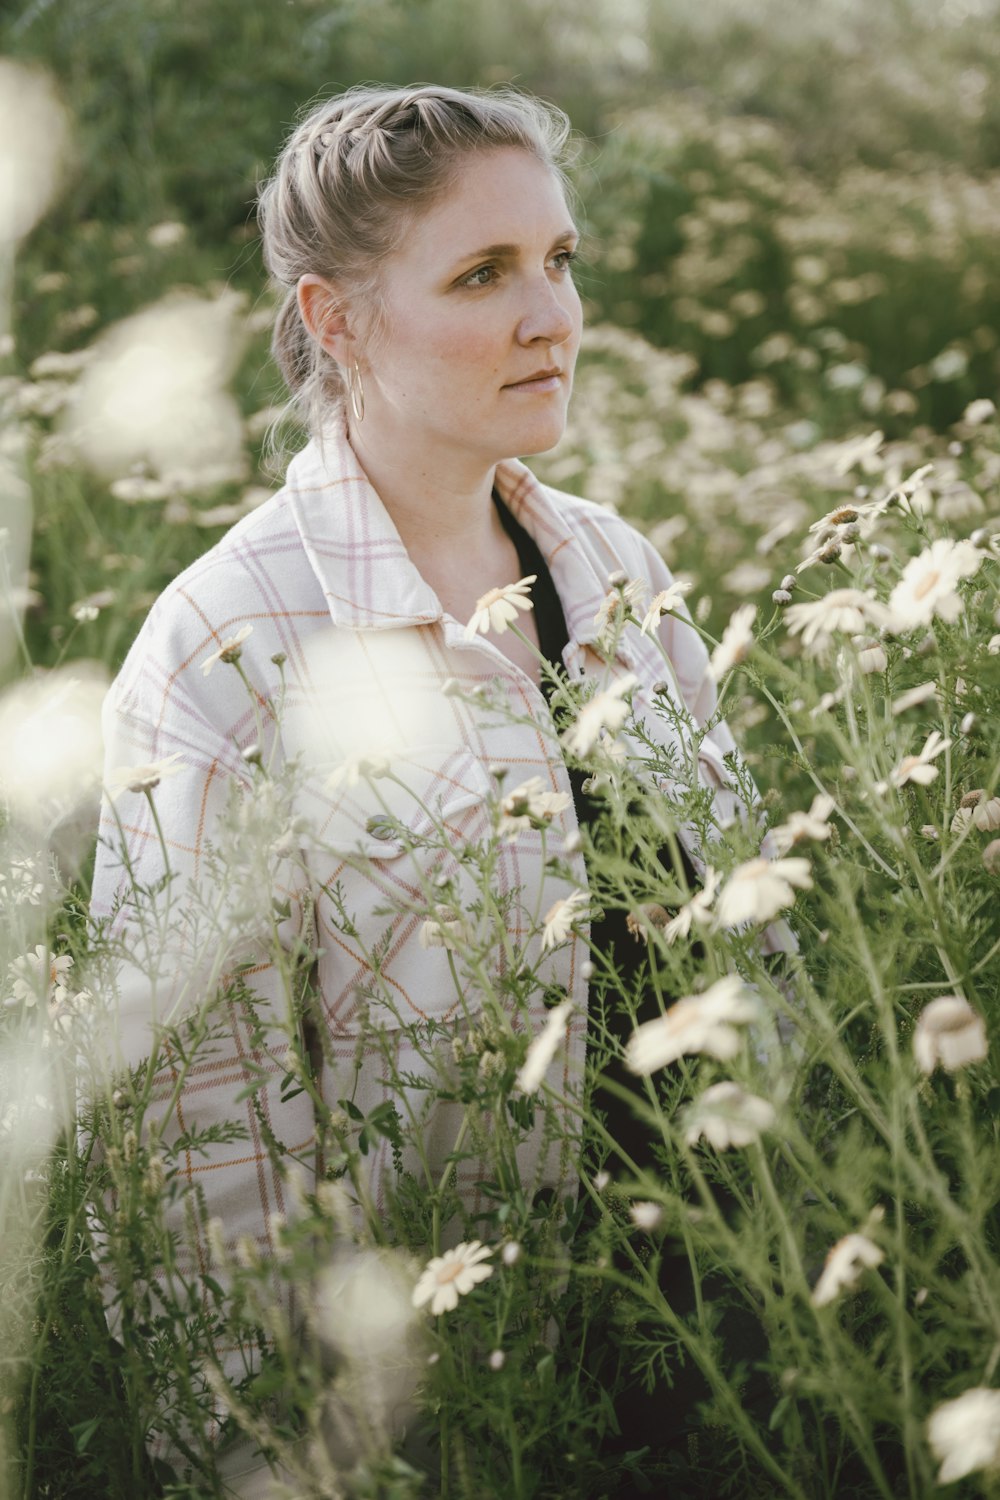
(548, 315)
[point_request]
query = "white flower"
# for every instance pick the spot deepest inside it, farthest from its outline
(697, 1023)
(695, 913)
(757, 890)
(142, 778)
(871, 653)
(543, 1049)
(811, 825)
(727, 1115)
(993, 645)
(981, 811)
(615, 605)
(949, 1032)
(19, 885)
(844, 1265)
(451, 1275)
(85, 614)
(447, 928)
(604, 711)
(841, 611)
(737, 638)
(498, 608)
(39, 975)
(229, 649)
(914, 697)
(511, 1253)
(929, 584)
(163, 236)
(560, 917)
(979, 411)
(917, 768)
(647, 1216)
(964, 1434)
(357, 768)
(664, 603)
(530, 806)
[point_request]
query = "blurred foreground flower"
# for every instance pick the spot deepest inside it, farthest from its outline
(949, 1032)
(727, 1115)
(605, 710)
(144, 778)
(845, 1262)
(51, 750)
(452, 1275)
(840, 612)
(530, 806)
(698, 1023)
(917, 768)
(543, 1048)
(154, 393)
(964, 1434)
(737, 638)
(800, 825)
(34, 135)
(976, 808)
(560, 917)
(757, 890)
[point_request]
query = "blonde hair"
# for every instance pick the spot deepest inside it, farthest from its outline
(351, 177)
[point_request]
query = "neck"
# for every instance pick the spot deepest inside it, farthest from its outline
(439, 501)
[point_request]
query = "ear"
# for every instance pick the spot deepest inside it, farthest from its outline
(325, 317)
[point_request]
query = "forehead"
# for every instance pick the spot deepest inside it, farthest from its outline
(500, 196)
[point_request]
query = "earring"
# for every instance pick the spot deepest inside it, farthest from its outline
(356, 391)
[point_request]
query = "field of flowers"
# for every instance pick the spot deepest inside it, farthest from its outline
(789, 384)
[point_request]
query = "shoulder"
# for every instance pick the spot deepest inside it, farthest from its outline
(610, 541)
(256, 581)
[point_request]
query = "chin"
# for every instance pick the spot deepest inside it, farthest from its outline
(539, 437)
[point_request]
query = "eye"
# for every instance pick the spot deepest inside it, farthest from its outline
(470, 280)
(567, 257)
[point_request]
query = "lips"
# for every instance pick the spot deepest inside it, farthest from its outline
(538, 375)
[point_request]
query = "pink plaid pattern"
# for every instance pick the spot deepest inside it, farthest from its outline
(321, 575)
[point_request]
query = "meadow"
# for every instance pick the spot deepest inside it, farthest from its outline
(788, 383)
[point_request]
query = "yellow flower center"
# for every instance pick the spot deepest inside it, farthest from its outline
(926, 584)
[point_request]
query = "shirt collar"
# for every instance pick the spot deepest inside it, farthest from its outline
(364, 569)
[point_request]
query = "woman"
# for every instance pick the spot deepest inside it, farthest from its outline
(430, 330)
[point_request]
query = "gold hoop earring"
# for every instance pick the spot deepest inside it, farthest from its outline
(356, 391)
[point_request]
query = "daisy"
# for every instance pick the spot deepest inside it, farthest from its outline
(914, 697)
(530, 806)
(498, 608)
(447, 928)
(811, 825)
(929, 584)
(606, 710)
(949, 1032)
(697, 1023)
(697, 912)
(981, 811)
(616, 605)
(647, 1216)
(142, 778)
(543, 1049)
(842, 611)
(230, 649)
(737, 638)
(917, 768)
(727, 1115)
(979, 411)
(39, 972)
(964, 1434)
(871, 653)
(664, 603)
(357, 768)
(844, 1265)
(757, 890)
(451, 1275)
(560, 917)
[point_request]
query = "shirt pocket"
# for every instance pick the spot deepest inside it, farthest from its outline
(403, 895)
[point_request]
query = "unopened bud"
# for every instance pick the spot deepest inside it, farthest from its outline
(781, 596)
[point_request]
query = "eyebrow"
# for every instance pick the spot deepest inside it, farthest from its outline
(508, 252)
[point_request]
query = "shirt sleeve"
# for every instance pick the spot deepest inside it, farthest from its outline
(200, 899)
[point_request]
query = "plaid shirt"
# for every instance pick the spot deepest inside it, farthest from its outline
(320, 574)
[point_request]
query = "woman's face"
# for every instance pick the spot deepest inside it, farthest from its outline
(479, 301)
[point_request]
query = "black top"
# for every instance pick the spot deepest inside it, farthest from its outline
(608, 933)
